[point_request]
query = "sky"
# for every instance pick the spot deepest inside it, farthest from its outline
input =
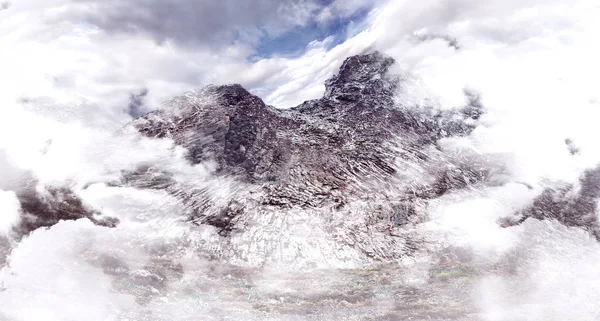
(98, 63)
(77, 66)
(100, 52)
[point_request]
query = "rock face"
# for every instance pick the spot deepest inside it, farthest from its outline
(355, 165)
(571, 205)
(350, 145)
(45, 208)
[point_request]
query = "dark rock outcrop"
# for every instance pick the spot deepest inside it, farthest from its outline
(363, 163)
(571, 205)
(324, 153)
(48, 206)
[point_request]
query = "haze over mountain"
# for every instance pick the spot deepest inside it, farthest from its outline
(299, 160)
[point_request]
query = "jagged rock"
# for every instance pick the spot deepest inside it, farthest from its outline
(47, 207)
(571, 205)
(324, 153)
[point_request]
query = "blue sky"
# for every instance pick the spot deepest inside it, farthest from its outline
(294, 42)
(105, 51)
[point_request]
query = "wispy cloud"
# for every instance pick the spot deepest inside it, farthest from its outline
(72, 72)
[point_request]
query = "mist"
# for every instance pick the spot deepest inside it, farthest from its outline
(71, 86)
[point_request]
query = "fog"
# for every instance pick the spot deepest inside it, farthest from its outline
(533, 63)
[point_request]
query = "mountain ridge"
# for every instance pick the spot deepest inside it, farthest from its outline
(321, 153)
(363, 164)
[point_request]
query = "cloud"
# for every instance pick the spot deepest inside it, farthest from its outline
(204, 23)
(95, 54)
(92, 55)
(85, 68)
(199, 22)
(72, 73)
(345, 8)
(10, 212)
(136, 103)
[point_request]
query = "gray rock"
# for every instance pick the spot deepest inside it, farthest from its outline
(47, 207)
(322, 154)
(571, 205)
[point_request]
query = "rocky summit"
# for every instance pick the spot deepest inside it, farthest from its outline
(356, 159)
(354, 150)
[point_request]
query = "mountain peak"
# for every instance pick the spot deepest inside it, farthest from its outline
(362, 75)
(322, 155)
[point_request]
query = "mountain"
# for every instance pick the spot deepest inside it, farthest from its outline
(353, 152)
(361, 163)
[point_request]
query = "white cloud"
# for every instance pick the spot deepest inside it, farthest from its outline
(10, 212)
(346, 8)
(205, 23)
(533, 62)
(66, 82)
(528, 59)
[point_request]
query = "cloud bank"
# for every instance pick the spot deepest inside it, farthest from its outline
(74, 71)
